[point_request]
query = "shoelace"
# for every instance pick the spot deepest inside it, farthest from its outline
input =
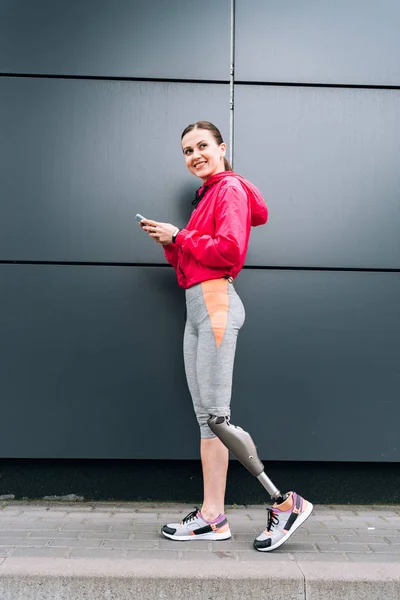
(272, 519)
(191, 516)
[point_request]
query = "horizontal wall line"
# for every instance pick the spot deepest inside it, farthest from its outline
(351, 86)
(206, 81)
(156, 265)
(111, 78)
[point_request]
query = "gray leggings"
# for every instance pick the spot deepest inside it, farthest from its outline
(215, 314)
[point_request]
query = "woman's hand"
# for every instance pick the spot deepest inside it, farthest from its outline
(160, 232)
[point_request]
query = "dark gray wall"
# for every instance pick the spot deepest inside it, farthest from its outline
(90, 355)
(350, 42)
(122, 38)
(82, 157)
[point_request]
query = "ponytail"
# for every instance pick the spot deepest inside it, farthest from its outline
(227, 164)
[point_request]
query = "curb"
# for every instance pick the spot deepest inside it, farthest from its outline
(98, 579)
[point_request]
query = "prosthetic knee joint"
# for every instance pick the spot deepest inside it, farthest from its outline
(240, 444)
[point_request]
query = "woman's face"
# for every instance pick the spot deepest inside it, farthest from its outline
(203, 156)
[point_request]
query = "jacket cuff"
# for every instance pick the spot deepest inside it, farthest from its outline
(181, 236)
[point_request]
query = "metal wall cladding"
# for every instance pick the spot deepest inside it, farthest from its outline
(122, 38)
(326, 162)
(318, 41)
(80, 158)
(318, 373)
(91, 364)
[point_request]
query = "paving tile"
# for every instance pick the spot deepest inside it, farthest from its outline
(208, 556)
(344, 547)
(84, 527)
(41, 507)
(361, 539)
(130, 544)
(40, 552)
(48, 515)
(95, 515)
(104, 524)
(381, 524)
(135, 527)
(393, 540)
(354, 517)
(190, 545)
(68, 543)
(24, 541)
(389, 549)
(5, 524)
(312, 538)
(232, 545)
(14, 533)
(329, 517)
(371, 513)
(293, 546)
(150, 555)
(97, 553)
(320, 557)
(153, 536)
(53, 534)
(374, 558)
(313, 525)
(79, 510)
(256, 556)
(104, 535)
(353, 523)
(245, 537)
(10, 512)
(331, 531)
(31, 525)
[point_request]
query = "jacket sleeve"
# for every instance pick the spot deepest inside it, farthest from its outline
(231, 224)
(171, 254)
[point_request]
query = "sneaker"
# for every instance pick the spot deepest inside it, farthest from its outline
(194, 527)
(281, 523)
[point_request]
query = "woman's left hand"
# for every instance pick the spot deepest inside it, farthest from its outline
(160, 232)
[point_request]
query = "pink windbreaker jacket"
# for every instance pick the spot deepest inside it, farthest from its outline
(215, 241)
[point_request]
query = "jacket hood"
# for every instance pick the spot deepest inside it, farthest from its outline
(258, 207)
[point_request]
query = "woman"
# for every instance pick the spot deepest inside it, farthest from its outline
(207, 256)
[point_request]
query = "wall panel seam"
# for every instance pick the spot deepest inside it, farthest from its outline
(350, 86)
(111, 78)
(166, 266)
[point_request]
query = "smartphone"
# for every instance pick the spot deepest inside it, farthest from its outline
(139, 218)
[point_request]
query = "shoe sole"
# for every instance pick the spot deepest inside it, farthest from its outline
(299, 521)
(215, 537)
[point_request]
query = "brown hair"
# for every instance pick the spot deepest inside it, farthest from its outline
(216, 133)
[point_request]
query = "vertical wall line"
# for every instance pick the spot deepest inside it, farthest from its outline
(232, 86)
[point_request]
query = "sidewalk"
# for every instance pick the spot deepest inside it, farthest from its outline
(114, 551)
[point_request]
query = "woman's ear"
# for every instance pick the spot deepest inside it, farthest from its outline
(223, 148)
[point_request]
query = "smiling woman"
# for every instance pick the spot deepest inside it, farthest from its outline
(204, 150)
(207, 255)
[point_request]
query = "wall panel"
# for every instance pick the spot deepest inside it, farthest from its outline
(80, 158)
(326, 161)
(122, 38)
(91, 364)
(318, 41)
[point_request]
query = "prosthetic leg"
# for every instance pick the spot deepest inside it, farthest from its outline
(240, 444)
